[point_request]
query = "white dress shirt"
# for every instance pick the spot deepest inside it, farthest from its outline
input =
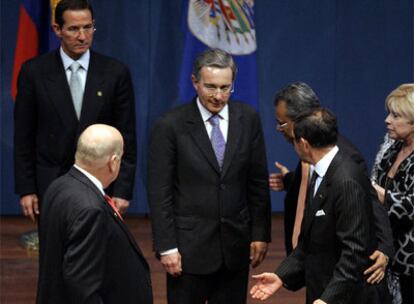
(322, 166)
(92, 178)
(224, 119)
(83, 61)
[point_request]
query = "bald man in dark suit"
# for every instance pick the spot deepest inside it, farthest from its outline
(87, 253)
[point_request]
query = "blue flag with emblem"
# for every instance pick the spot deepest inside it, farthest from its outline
(227, 25)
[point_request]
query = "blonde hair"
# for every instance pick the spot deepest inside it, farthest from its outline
(401, 101)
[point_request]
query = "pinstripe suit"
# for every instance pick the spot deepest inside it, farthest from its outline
(334, 245)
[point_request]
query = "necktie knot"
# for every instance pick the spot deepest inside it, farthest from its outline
(215, 120)
(74, 67)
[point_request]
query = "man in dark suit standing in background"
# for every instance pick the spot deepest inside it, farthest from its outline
(290, 102)
(59, 95)
(87, 254)
(337, 232)
(208, 190)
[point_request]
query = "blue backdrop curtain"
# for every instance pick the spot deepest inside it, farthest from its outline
(353, 53)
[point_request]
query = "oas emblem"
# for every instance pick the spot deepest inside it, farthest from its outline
(224, 24)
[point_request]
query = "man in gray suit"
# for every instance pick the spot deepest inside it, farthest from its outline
(208, 190)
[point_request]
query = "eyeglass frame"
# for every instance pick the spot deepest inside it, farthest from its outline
(75, 30)
(219, 90)
(281, 125)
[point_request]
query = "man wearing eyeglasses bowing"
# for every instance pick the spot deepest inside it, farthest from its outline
(59, 95)
(207, 189)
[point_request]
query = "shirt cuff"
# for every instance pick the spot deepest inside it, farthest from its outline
(170, 251)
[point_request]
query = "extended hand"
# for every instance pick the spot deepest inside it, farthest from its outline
(267, 284)
(172, 263)
(30, 206)
(258, 252)
(276, 179)
(377, 270)
(121, 204)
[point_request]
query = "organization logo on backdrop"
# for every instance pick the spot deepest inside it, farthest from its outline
(224, 24)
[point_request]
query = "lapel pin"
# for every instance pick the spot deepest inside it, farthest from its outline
(99, 93)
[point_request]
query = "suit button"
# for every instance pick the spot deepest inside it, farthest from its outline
(222, 219)
(222, 186)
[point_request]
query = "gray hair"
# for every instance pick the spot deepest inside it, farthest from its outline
(214, 58)
(299, 97)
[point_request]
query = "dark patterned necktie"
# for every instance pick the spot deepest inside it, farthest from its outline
(311, 188)
(217, 139)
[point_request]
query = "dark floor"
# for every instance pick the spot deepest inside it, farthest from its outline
(18, 266)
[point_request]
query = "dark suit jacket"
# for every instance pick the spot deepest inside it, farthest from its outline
(333, 247)
(292, 185)
(46, 126)
(211, 216)
(87, 254)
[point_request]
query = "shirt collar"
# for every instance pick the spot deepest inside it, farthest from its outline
(206, 114)
(323, 164)
(83, 60)
(92, 178)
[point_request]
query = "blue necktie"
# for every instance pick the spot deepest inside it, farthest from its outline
(217, 139)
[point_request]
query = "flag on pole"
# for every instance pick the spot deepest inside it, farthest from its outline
(34, 34)
(227, 25)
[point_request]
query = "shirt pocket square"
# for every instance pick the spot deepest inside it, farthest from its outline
(320, 213)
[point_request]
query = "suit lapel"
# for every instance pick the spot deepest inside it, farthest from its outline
(319, 199)
(82, 178)
(59, 93)
(197, 129)
(93, 95)
(233, 136)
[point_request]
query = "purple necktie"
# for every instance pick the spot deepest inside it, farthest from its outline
(217, 139)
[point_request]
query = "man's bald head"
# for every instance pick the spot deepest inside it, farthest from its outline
(97, 145)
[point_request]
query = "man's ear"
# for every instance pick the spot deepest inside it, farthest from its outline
(58, 31)
(194, 81)
(112, 162)
(305, 144)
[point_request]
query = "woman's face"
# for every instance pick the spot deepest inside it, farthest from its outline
(399, 127)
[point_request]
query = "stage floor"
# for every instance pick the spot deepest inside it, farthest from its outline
(18, 266)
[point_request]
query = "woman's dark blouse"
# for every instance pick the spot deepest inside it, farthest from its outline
(399, 199)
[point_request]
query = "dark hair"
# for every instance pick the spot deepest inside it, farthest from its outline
(318, 127)
(213, 58)
(299, 98)
(73, 5)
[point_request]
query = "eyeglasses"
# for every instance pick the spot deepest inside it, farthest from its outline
(280, 125)
(213, 91)
(75, 30)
